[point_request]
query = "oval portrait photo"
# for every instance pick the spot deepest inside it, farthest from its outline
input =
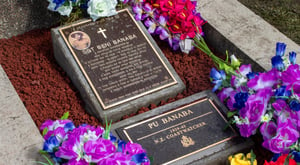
(79, 40)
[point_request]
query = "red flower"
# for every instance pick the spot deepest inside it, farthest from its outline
(281, 160)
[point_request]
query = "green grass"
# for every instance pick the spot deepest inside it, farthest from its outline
(282, 14)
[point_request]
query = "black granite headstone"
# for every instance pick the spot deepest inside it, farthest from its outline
(120, 62)
(190, 129)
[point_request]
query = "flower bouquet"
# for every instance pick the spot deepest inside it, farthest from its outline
(266, 102)
(174, 21)
(76, 9)
(85, 145)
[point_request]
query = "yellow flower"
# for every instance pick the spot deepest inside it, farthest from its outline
(241, 159)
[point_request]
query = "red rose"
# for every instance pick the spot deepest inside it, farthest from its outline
(281, 160)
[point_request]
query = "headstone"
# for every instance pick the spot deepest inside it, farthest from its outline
(187, 131)
(115, 64)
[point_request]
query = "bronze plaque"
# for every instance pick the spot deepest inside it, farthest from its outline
(117, 58)
(181, 132)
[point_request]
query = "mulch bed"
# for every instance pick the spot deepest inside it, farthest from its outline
(48, 93)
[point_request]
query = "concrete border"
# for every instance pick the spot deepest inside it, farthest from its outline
(246, 32)
(20, 138)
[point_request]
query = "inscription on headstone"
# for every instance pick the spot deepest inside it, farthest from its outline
(117, 59)
(180, 133)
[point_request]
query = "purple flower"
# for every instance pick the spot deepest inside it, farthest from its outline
(225, 93)
(98, 149)
(151, 25)
(117, 158)
(285, 137)
(242, 79)
(254, 109)
(217, 78)
(268, 130)
(264, 80)
(52, 125)
(289, 80)
(292, 57)
(174, 42)
(57, 128)
(137, 153)
(133, 148)
(280, 48)
(138, 11)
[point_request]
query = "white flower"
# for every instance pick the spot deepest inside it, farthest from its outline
(240, 121)
(62, 10)
(266, 118)
(186, 45)
(101, 8)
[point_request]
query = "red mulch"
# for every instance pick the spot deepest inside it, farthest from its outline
(47, 92)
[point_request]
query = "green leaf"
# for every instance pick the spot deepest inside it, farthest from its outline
(253, 157)
(231, 113)
(45, 131)
(107, 129)
(48, 161)
(65, 116)
(286, 161)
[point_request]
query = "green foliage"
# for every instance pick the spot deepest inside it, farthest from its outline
(65, 116)
(45, 131)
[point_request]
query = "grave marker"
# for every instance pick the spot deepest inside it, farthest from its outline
(119, 62)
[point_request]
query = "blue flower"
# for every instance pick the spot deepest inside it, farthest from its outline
(280, 48)
(296, 156)
(277, 62)
(281, 92)
(69, 126)
(58, 3)
(51, 144)
(251, 75)
(121, 145)
(240, 100)
(294, 104)
(292, 57)
(217, 78)
(140, 158)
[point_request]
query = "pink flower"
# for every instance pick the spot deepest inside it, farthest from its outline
(254, 109)
(264, 80)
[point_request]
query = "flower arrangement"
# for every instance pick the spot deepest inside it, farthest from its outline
(95, 8)
(85, 144)
(174, 21)
(266, 102)
(241, 159)
(282, 160)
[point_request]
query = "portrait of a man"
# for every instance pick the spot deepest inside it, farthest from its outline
(79, 40)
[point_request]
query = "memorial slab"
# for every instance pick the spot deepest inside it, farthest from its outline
(187, 131)
(115, 64)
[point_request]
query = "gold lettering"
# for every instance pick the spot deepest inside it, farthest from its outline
(176, 116)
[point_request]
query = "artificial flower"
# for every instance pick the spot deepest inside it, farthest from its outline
(241, 159)
(101, 8)
(63, 7)
(87, 144)
(281, 161)
(267, 102)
